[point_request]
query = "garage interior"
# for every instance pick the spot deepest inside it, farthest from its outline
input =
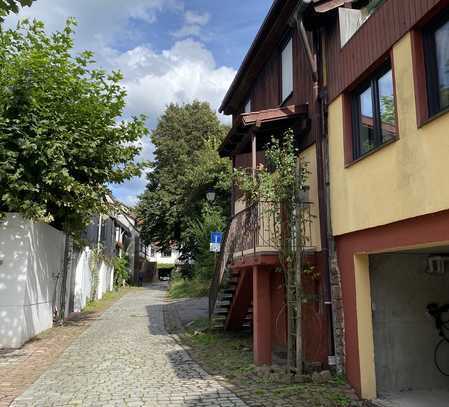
(403, 284)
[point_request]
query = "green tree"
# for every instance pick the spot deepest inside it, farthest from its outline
(61, 143)
(12, 6)
(186, 164)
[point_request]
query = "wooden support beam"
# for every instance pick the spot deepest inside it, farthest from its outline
(253, 152)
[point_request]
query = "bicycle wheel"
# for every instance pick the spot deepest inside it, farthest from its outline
(442, 357)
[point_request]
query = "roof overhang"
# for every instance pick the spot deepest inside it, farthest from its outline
(265, 120)
(269, 36)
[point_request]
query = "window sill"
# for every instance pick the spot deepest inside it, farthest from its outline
(432, 118)
(373, 151)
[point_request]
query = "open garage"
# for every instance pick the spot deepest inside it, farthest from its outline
(403, 285)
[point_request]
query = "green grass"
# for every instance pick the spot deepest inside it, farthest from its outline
(180, 288)
(163, 266)
(230, 356)
(226, 354)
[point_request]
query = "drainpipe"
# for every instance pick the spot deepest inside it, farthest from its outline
(319, 104)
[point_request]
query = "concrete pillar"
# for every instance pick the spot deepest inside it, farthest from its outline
(262, 341)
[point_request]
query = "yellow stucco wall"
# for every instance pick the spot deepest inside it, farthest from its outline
(309, 156)
(402, 180)
(365, 327)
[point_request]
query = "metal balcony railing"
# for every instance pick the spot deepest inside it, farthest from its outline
(254, 230)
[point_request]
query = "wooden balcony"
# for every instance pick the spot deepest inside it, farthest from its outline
(251, 239)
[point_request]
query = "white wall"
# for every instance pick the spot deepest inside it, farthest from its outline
(82, 290)
(105, 280)
(83, 281)
(31, 264)
(173, 259)
(31, 259)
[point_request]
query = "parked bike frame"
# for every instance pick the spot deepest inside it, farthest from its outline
(442, 325)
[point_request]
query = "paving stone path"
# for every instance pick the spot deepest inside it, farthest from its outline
(126, 358)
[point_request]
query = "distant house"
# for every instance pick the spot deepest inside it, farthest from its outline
(166, 260)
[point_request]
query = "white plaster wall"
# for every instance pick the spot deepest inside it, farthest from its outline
(165, 260)
(83, 281)
(104, 280)
(31, 259)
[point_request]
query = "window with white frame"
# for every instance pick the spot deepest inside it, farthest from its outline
(287, 70)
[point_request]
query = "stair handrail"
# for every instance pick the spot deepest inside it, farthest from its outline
(229, 242)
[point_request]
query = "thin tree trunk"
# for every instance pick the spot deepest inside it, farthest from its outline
(68, 254)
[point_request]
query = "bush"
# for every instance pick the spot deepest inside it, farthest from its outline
(121, 271)
(185, 288)
(212, 219)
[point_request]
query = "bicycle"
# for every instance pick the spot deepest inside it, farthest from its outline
(442, 325)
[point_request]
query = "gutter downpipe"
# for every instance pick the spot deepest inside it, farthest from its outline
(322, 162)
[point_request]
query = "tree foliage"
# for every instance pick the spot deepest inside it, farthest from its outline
(60, 141)
(12, 6)
(186, 164)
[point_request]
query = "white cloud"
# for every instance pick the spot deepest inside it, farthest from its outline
(192, 17)
(181, 74)
(193, 23)
(100, 21)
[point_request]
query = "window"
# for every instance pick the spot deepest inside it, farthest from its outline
(351, 19)
(247, 106)
(166, 253)
(436, 46)
(374, 113)
(287, 70)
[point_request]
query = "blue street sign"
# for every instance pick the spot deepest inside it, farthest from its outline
(216, 237)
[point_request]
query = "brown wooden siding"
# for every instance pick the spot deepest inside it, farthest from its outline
(265, 93)
(266, 89)
(373, 40)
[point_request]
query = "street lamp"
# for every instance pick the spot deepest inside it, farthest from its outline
(210, 195)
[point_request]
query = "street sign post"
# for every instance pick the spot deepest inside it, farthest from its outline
(215, 242)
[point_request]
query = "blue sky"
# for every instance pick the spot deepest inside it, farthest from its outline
(168, 50)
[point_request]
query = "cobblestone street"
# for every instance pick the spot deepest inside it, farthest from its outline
(126, 358)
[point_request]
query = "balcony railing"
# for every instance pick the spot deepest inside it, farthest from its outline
(252, 231)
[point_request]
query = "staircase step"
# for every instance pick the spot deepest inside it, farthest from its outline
(221, 312)
(225, 297)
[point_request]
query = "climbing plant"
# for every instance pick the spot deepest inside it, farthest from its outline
(279, 186)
